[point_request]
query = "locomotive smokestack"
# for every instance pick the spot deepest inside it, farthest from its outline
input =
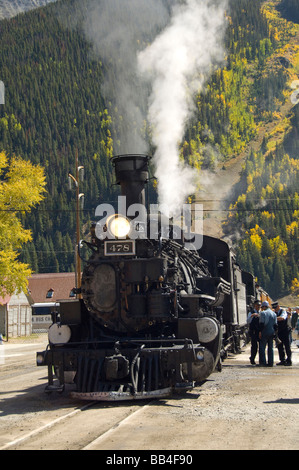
(131, 173)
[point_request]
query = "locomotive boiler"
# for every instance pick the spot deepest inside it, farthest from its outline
(152, 315)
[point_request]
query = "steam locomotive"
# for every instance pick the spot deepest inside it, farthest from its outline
(153, 315)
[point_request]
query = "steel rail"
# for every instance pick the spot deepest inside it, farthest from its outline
(33, 433)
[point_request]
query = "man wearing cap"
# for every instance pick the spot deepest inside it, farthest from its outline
(284, 348)
(268, 325)
(253, 322)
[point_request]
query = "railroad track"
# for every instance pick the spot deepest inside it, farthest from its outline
(96, 443)
(77, 431)
(21, 440)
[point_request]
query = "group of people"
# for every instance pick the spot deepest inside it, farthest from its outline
(266, 324)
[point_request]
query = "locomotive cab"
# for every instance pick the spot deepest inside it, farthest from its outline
(221, 261)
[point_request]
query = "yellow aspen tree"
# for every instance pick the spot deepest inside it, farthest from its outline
(22, 187)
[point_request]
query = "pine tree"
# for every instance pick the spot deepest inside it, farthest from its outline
(278, 283)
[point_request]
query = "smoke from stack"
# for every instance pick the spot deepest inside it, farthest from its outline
(157, 55)
(178, 62)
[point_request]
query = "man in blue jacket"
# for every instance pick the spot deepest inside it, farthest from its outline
(268, 326)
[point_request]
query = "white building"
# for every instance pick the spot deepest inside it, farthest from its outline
(15, 315)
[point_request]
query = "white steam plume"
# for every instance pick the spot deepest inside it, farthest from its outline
(178, 62)
(117, 29)
(186, 40)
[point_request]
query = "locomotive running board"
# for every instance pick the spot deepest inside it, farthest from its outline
(120, 396)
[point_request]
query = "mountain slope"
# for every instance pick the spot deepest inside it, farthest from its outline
(53, 109)
(264, 219)
(270, 129)
(10, 8)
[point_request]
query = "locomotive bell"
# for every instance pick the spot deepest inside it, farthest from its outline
(131, 172)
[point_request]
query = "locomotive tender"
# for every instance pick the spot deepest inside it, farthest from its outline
(152, 316)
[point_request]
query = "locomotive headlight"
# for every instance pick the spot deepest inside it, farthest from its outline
(118, 225)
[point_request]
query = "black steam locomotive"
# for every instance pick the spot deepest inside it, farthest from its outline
(152, 315)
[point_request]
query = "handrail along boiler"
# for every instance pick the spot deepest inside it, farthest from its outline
(154, 317)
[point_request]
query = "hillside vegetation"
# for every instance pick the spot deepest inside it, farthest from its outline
(54, 107)
(265, 216)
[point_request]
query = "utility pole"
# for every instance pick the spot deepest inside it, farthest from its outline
(79, 196)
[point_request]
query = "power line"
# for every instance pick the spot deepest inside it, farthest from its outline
(264, 200)
(273, 209)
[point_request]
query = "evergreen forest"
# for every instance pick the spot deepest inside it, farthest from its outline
(54, 109)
